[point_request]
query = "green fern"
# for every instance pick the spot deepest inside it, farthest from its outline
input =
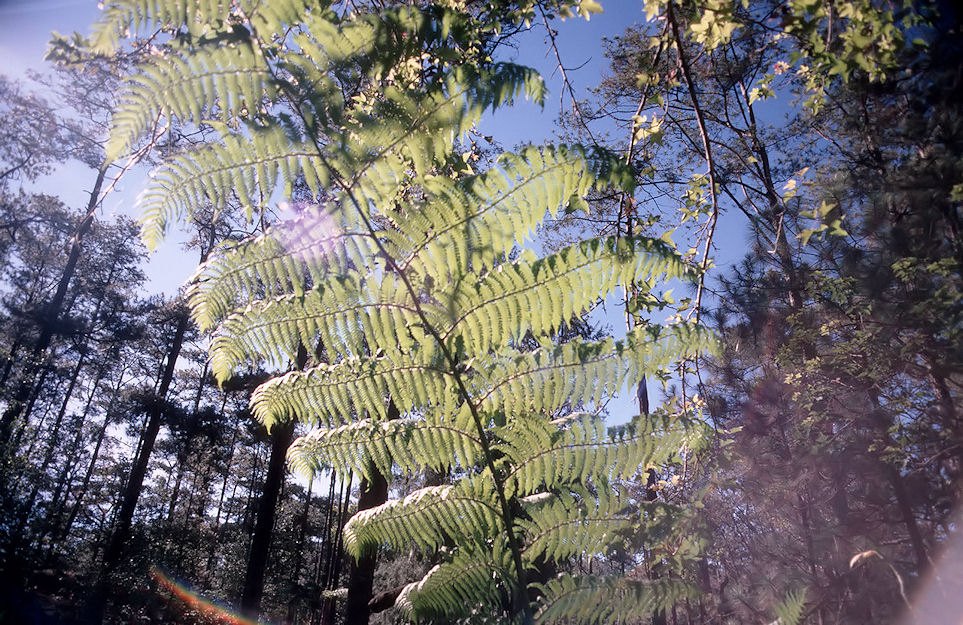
(442, 513)
(397, 280)
(464, 585)
(224, 81)
(593, 600)
(545, 454)
(582, 523)
(362, 447)
(790, 610)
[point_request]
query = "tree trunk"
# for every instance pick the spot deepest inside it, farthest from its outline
(212, 552)
(18, 441)
(138, 472)
(323, 562)
(333, 573)
(282, 438)
(181, 460)
(8, 365)
(361, 579)
(55, 435)
(57, 505)
(302, 529)
(15, 409)
(101, 435)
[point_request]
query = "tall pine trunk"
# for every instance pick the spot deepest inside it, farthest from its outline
(95, 454)
(18, 403)
(135, 483)
(361, 576)
(253, 591)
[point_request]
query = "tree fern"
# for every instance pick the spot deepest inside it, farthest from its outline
(412, 445)
(467, 510)
(575, 524)
(398, 281)
(595, 600)
(568, 451)
(465, 584)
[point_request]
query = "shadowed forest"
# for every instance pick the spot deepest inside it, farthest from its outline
(697, 361)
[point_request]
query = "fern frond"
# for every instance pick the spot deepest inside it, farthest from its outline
(400, 277)
(428, 518)
(598, 600)
(128, 17)
(569, 524)
(345, 314)
(790, 610)
(412, 445)
(376, 43)
(547, 379)
(335, 394)
(423, 127)
(471, 579)
(276, 15)
(250, 166)
(472, 223)
(304, 252)
(222, 79)
(244, 168)
(543, 456)
(538, 295)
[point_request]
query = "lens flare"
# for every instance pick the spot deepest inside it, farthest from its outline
(194, 601)
(311, 234)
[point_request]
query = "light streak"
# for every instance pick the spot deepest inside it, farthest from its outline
(196, 602)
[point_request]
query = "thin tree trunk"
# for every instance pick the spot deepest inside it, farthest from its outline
(181, 460)
(323, 557)
(28, 410)
(333, 573)
(296, 575)
(11, 358)
(78, 502)
(54, 437)
(323, 560)
(220, 501)
(57, 505)
(18, 402)
(34, 439)
(138, 472)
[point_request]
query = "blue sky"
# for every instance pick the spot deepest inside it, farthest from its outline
(25, 27)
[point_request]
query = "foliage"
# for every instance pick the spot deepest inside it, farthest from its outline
(397, 286)
(790, 611)
(837, 390)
